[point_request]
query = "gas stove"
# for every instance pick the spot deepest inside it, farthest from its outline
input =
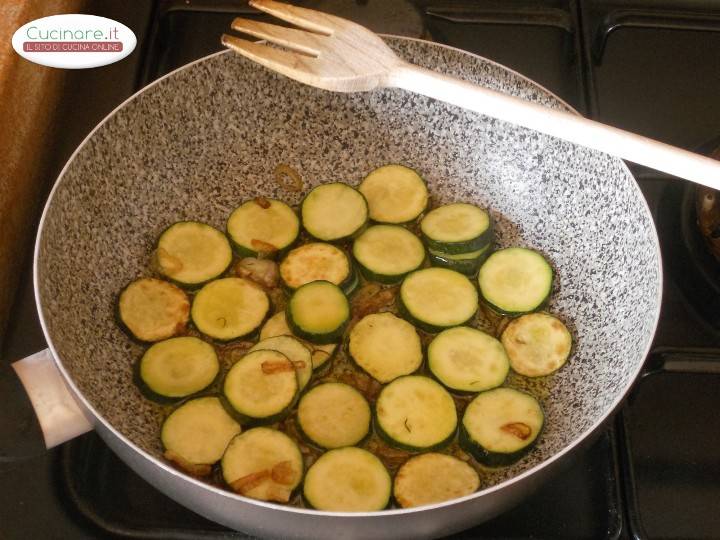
(650, 66)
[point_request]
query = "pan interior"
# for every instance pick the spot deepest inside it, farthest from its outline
(198, 143)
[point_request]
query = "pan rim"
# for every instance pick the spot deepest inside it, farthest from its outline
(98, 418)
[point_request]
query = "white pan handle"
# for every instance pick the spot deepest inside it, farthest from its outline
(60, 417)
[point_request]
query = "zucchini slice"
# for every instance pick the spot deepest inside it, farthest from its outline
(332, 212)
(264, 464)
(296, 352)
(515, 280)
(465, 263)
(229, 308)
(433, 478)
(385, 346)
(437, 298)
(395, 194)
(262, 225)
(195, 434)
(386, 253)
(318, 261)
(177, 367)
(192, 253)
(468, 360)
(318, 311)
(415, 413)
(152, 309)
(333, 415)
(538, 344)
(261, 386)
(456, 228)
(500, 426)
(348, 480)
(277, 326)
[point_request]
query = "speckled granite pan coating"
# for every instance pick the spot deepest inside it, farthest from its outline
(208, 137)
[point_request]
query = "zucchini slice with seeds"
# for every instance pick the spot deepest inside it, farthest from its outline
(277, 326)
(262, 225)
(395, 194)
(195, 435)
(192, 253)
(296, 352)
(261, 387)
(515, 280)
(465, 263)
(229, 308)
(385, 346)
(500, 426)
(318, 261)
(347, 480)
(437, 298)
(152, 309)
(538, 344)
(456, 228)
(333, 212)
(333, 415)
(433, 478)
(415, 413)
(176, 368)
(386, 253)
(468, 360)
(264, 464)
(318, 311)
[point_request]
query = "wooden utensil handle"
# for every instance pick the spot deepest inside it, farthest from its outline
(567, 126)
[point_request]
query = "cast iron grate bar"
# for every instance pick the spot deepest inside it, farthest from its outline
(652, 19)
(646, 467)
(540, 16)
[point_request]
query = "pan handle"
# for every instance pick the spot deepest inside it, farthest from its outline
(59, 415)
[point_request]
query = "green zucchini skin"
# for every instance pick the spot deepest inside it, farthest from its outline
(491, 459)
(252, 421)
(392, 441)
(377, 276)
(395, 444)
(453, 248)
(469, 267)
(158, 398)
(350, 285)
(209, 391)
(456, 248)
(334, 336)
(425, 327)
(509, 313)
(318, 339)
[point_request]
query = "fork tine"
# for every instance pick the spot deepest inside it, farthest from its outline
(284, 62)
(297, 40)
(307, 19)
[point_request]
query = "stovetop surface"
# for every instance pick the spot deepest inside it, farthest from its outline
(651, 66)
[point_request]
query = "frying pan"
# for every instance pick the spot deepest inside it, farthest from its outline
(196, 143)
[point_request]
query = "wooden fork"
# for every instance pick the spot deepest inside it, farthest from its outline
(331, 53)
